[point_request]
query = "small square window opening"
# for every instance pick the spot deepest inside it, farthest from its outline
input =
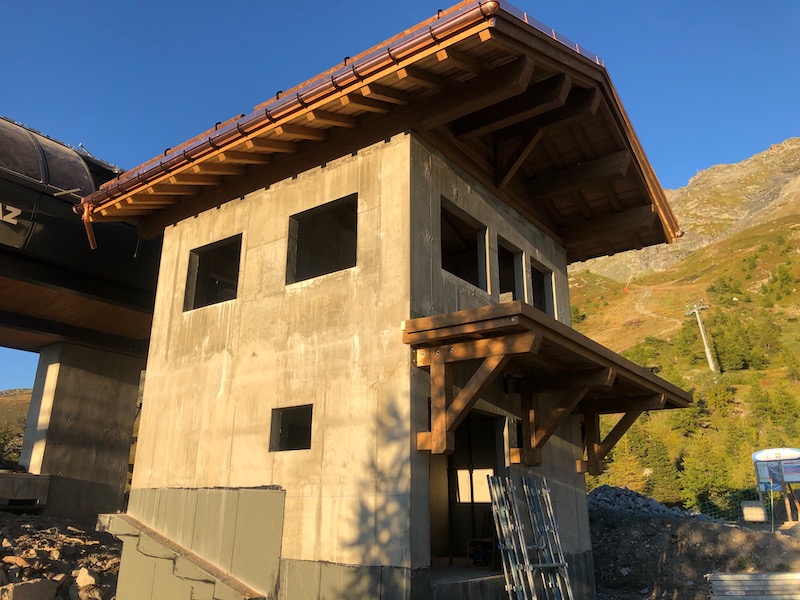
(213, 273)
(322, 240)
(463, 245)
(291, 428)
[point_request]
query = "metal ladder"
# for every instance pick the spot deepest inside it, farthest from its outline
(533, 561)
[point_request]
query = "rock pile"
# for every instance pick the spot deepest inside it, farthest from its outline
(48, 559)
(615, 498)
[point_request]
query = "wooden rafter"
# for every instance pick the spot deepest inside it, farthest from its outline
(331, 119)
(261, 144)
(576, 176)
(377, 91)
(236, 157)
(423, 78)
(301, 133)
(597, 450)
(215, 168)
(366, 104)
(538, 99)
(463, 61)
(626, 221)
(195, 179)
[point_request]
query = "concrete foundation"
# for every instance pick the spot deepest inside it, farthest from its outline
(79, 427)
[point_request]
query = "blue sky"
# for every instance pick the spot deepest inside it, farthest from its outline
(703, 82)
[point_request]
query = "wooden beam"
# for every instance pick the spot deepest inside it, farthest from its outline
(366, 104)
(483, 377)
(580, 103)
(520, 343)
(529, 401)
(142, 200)
(570, 380)
(642, 217)
(538, 99)
(423, 78)
(169, 189)
(557, 416)
(386, 94)
(215, 168)
(302, 133)
(332, 119)
(518, 159)
(439, 440)
(609, 406)
(579, 175)
(475, 94)
(617, 432)
(592, 443)
(195, 179)
(269, 145)
(243, 158)
(463, 61)
(440, 335)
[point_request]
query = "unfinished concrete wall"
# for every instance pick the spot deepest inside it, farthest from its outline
(79, 427)
(216, 373)
(434, 290)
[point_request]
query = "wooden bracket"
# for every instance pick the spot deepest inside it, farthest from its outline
(447, 412)
(597, 450)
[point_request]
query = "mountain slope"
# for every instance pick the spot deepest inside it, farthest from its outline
(717, 203)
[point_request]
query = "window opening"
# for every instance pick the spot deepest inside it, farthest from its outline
(213, 273)
(463, 245)
(509, 263)
(291, 428)
(322, 240)
(542, 288)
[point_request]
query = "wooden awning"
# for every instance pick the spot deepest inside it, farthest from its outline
(541, 355)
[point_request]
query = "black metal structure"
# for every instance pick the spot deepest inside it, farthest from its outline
(52, 285)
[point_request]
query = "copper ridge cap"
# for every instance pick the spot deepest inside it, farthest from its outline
(297, 98)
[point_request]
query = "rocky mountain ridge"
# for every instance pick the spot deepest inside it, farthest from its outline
(715, 204)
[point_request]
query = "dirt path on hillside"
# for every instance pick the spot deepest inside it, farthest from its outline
(645, 294)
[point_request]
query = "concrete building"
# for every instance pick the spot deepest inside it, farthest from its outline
(362, 309)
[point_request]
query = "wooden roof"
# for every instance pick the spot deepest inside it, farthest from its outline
(533, 119)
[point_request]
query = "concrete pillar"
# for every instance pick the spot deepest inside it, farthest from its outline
(79, 427)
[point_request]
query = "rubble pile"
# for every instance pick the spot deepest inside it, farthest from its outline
(48, 559)
(615, 498)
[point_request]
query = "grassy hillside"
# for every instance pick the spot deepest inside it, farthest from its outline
(749, 283)
(13, 410)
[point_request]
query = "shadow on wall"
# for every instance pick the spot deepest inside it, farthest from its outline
(381, 520)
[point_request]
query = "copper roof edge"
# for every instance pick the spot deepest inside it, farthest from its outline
(431, 31)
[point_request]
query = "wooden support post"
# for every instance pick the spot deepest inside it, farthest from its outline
(442, 442)
(531, 455)
(592, 440)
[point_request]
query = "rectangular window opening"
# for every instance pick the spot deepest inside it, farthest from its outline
(322, 240)
(542, 280)
(291, 428)
(509, 264)
(463, 245)
(213, 273)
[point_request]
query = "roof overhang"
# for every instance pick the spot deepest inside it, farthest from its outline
(541, 355)
(531, 116)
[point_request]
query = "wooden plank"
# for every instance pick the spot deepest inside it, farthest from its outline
(607, 406)
(243, 158)
(428, 337)
(385, 93)
(581, 174)
(423, 78)
(442, 440)
(529, 402)
(557, 416)
(302, 133)
(632, 219)
(261, 144)
(538, 99)
(332, 119)
(463, 61)
(520, 343)
(195, 179)
(483, 377)
(366, 104)
(168, 189)
(594, 378)
(215, 168)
